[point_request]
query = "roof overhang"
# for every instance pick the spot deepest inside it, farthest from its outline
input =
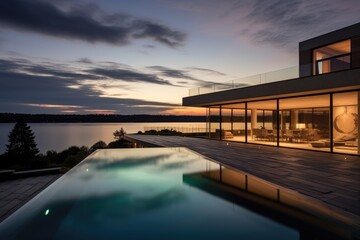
(326, 83)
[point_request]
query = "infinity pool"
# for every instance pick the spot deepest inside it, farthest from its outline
(138, 194)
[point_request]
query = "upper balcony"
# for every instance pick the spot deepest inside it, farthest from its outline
(268, 77)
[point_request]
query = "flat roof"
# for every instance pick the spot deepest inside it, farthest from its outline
(331, 37)
(331, 82)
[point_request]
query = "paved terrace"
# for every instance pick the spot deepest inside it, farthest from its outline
(17, 192)
(331, 178)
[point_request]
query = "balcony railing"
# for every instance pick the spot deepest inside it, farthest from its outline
(274, 76)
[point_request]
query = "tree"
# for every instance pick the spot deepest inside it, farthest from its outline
(119, 134)
(22, 145)
(98, 145)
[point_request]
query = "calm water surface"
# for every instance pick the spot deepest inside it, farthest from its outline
(59, 136)
(148, 193)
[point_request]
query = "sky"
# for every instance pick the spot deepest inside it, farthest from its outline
(143, 56)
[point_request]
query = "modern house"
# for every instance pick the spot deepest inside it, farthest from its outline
(316, 107)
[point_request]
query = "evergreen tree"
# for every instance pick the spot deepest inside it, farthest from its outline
(119, 134)
(22, 145)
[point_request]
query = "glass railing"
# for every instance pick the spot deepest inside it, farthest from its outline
(274, 76)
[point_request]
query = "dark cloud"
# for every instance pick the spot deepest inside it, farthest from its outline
(85, 60)
(129, 75)
(149, 46)
(173, 73)
(206, 70)
(285, 23)
(84, 22)
(182, 82)
(157, 32)
(185, 75)
(36, 69)
(26, 87)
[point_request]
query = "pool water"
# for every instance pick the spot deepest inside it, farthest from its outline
(138, 194)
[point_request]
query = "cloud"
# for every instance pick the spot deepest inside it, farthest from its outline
(30, 86)
(85, 60)
(285, 23)
(129, 75)
(172, 73)
(149, 46)
(277, 22)
(84, 22)
(185, 76)
(206, 70)
(25, 87)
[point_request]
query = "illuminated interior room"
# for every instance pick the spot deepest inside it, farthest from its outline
(316, 110)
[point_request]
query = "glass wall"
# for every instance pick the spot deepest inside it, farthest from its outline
(236, 131)
(263, 122)
(304, 122)
(226, 123)
(214, 122)
(346, 123)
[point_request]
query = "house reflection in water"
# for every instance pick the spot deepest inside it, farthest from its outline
(312, 219)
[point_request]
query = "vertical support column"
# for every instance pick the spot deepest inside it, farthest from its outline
(253, 121)
(263, 118)
(209, 122)
(232, 120)
(246, 126)
(220, 116)
(277, 123)
(294, 116)
(331, 124)
(313, 114)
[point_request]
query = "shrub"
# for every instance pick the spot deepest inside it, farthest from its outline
(120, 144)
(98, 145)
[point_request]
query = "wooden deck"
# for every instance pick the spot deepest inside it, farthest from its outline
(334, 179)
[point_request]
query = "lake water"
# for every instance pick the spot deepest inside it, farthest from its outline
(59, 136)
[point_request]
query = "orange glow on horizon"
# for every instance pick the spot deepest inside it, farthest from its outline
(100, 111)
(185, 111)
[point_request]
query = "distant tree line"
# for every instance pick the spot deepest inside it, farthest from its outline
(22, 152)
(95, 118)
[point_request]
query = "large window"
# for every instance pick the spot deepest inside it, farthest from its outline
(346, 122)
(235, 131)
(304, 122)
(214, 122)
(226, 123)
(331, 58)
(263, 122)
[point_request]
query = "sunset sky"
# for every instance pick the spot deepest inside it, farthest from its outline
(142, 56)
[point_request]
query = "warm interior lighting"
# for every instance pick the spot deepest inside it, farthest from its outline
(333, 57)
(300, 125)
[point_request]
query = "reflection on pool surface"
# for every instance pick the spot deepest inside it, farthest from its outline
(140, 193)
